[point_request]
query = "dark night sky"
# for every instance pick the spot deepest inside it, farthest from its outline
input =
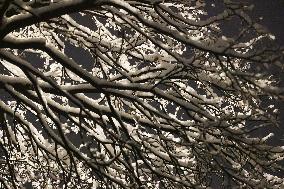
(271, 13)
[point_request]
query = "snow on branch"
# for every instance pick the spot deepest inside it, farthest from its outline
(137, 94)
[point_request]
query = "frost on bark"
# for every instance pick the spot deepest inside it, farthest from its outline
(137, 94)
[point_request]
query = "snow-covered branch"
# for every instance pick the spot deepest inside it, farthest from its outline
(137, 94)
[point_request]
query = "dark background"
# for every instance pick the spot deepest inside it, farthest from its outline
(270, 13)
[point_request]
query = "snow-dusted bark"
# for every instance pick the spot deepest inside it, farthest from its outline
(137, 94)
